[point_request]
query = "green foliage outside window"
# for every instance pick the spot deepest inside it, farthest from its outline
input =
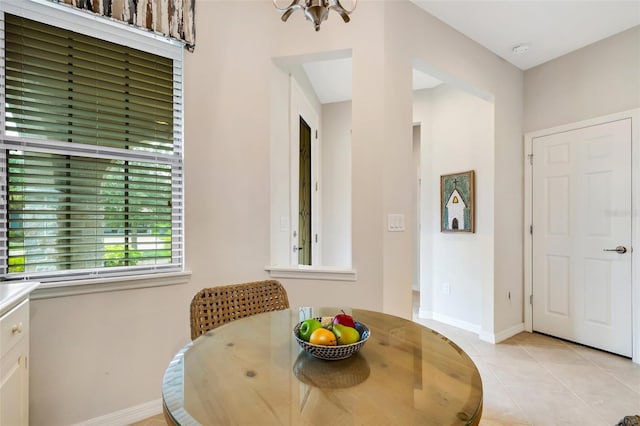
(100, 194)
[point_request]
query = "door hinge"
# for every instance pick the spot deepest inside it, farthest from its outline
(316, 238)
(316, 133)
(531, 229)
(530, 156)
(531, 299)
(316, 185)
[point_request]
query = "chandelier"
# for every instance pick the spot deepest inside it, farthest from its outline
(315, 11)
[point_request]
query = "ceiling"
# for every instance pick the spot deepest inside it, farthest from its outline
(551, 28)
(547, 28)
(331, 79)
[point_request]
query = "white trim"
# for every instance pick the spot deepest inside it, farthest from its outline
(425, 313)
(503, 335)
(527, 236)
(101, 285)
(455, 322)
(127, 415)
(312, 273)
(634, 115)
(482, 335)
(473, 328)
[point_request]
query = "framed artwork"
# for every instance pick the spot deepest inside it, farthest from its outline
(457, 202)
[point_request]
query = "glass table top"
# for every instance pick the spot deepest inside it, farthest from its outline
(252, 371)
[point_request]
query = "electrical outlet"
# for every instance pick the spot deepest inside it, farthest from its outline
(446, 288)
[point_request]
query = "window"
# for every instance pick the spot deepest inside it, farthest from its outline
(91, 154)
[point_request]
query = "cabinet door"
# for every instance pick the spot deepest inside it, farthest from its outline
(14, 386)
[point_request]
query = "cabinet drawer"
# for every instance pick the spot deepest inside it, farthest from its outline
(14, 326)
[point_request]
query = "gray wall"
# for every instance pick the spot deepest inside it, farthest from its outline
(599, 79)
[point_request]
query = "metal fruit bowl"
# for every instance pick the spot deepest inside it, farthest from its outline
(333, 353)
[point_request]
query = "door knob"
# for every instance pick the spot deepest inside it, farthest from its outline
(619, 249)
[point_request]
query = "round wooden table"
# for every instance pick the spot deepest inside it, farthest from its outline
(252, 372)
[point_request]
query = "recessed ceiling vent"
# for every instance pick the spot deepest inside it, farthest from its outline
(520, 48)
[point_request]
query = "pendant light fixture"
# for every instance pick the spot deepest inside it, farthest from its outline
(315, 11)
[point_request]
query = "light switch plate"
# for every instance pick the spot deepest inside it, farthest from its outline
(284, 223)
(395, 222)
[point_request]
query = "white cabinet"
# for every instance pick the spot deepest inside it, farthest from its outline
(14, 366)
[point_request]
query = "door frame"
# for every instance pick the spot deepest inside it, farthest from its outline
(300, 106)
(634, 115)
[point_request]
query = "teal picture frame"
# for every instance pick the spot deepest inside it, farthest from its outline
(457, 202)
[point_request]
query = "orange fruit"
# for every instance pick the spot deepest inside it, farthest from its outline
(324, 337)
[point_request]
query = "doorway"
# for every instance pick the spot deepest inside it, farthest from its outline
(304, 159)
(579, 262)
(304, 195)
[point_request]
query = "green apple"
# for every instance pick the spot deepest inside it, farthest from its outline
(345, 335)
(307, 327)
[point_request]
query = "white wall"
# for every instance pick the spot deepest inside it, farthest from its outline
(422, 39)
(98, 353)
(335, 142)
(458, 136)
(599, 79)
(280, 171)
(120, 343)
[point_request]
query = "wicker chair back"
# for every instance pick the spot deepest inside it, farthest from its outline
(215, 306)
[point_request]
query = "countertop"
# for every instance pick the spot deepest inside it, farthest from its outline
(11, 293)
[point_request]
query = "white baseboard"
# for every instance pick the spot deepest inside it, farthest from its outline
(425, 313)
(127, 415)
(503, 335)
(474, 328)
(482, 335)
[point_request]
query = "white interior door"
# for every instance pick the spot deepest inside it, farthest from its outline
(581, 212)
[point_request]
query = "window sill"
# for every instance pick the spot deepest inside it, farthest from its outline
(312, 273)
(101, 285)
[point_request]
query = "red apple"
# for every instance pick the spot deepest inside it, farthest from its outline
(344, 319)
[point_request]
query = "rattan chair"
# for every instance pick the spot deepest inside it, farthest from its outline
(215, 306)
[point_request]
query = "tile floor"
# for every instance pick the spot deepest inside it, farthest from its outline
(532, 379)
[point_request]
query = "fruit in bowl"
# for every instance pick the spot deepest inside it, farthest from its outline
(307, 328)
(345, 335)
(333, 339)
(344, 319)
(324, 337)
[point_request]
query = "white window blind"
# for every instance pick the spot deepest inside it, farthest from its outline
(91, 153)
